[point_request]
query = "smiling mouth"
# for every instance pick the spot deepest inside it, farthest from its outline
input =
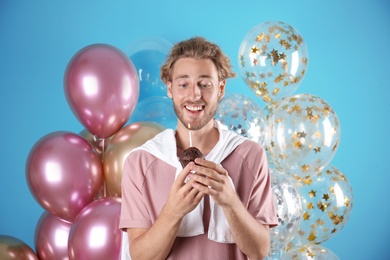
(194, 108)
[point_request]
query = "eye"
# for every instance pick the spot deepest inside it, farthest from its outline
(205, 84)
(182, 84)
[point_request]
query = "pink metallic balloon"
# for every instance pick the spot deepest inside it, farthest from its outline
(14, 248)
(64, 174)
(95, 233)
(102, 87)
(51, 237)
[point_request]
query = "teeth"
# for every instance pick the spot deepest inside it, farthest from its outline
(194, 108)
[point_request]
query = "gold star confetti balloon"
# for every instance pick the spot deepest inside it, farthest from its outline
(310, 251)
(273, 60)
(304, 134)
(243, 116)
(327, 201)
(288, 208)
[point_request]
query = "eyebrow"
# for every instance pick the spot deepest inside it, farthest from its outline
(185, 76)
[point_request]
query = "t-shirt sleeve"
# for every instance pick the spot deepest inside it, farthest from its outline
(261, 203)
(134, 209)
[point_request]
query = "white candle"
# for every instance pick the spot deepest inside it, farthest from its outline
(189, 134)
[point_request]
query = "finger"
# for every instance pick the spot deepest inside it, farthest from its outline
(183, 174)
(211, 165)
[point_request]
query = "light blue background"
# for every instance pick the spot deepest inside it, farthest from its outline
(348, 44)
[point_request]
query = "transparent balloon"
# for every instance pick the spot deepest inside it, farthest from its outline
(243, 116)
(288, 208)
(304, 135)
(157, 109)
(309, 252)
(327, 201)
(273, 60)
(148, 54)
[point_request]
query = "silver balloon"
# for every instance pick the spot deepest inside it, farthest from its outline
(244, 116)
(288, 208)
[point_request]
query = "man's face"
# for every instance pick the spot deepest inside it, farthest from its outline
(196, 91)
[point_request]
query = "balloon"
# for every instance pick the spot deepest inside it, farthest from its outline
(273, 60)
(312, 252)
(304, 135)
(12, 248)
(120, 146)
(101, 87)
(327, 201)
(63, 173)
(99, 144)
(51, 237)
(288, 208)
(156, 109)
(148, 55)
(95, 233)
(242, 115)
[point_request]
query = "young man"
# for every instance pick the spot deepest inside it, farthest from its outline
(220, 207)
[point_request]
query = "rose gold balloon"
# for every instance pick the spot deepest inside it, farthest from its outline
(101, 87)
(99, 144)
(120, 146)
(51, 237)
(14, 248)
(64, 174)
(95, 233)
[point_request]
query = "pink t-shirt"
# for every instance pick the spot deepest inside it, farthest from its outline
(147, 181)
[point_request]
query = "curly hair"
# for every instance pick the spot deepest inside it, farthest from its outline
(197, 48)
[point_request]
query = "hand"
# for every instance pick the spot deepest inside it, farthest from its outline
(213, 179)
(183, 197)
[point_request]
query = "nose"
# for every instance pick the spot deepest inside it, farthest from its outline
(195, 92)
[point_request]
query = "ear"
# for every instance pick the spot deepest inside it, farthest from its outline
(169, 89)
(221, 93)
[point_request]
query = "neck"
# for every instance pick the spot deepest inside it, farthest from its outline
(204, 139)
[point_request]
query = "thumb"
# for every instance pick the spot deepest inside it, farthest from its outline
(183, 174)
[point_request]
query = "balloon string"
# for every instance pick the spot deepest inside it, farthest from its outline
(104, 179)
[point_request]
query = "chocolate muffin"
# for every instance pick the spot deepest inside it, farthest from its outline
(189, 155)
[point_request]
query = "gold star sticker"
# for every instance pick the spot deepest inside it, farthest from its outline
(260, 37)
(296, 108)
(312, 193)
(301, 134)
(307, 181)
(305, 167)
(309, 205)
(320, 222)
(346, 201)
(255, 50)
(306, 216)
(317, 149)
(279, 78)
(326, 197)
(322, 206)
(298, 144)
(312, 237)
(275, 56)
(310, 253)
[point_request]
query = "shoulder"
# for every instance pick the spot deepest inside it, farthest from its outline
(250, 148)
